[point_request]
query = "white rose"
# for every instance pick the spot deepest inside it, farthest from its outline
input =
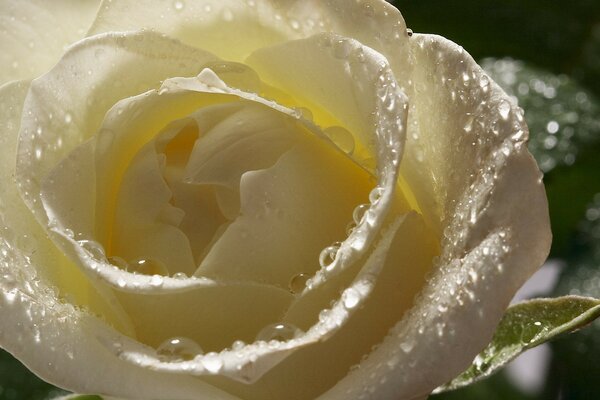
(174, 179)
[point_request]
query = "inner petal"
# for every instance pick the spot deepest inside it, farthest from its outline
(145, 229)
(289, 214)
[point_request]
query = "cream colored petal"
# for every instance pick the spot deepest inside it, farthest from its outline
(58, 116)
(253, 138)
(68, 347)
(214, 317)
(229, 28)
(233, 29)
(356, 87)
(252, 364)
(141, 230)
(467, 151)
(27, 241)
(35, 33)
(289, 214)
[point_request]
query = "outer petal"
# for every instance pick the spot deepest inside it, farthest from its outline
(57, 340)
(469, 141)
(233, 29)
(35, 33)
(22, 234)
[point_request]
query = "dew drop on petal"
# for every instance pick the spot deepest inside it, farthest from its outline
(68, 118)
(342, 48)
(156, 280)
(227, 15)
(359, 213)
(178, 349)
(504, 109)
(148, 266)
(281, 332)
(298, 282)
(341, 137)
(327, 256)
(350, 298)
(178, 5)
(212, 363)
(95, 249)
(180, 275)
(118, 262)
(375, 195)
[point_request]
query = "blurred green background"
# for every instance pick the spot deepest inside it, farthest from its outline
(547, 54)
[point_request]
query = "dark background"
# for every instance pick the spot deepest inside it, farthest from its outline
(556, 43)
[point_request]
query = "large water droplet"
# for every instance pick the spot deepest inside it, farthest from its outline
(236, 75)
(350, 298)
(212, 362)
(281, 332)
(342, 48)
(342, 138)
(95, 249)
(359, 213)
(178, 5)
(504, 109)
(327, 256)
(227, 15)
(375, 195)
(119, 262)
(298, 282)
(148, 266)
(178, 349)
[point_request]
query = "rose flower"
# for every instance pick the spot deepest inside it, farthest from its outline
(254, 199)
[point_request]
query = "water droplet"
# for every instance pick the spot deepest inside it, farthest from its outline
(156, 280)
(359, 213)
(504, 109)
(227, 15)
(207, 8)
(327, 256)
(148, 266)
(342, 138)
(94, 248)
(118, 262)
(68, 118)
(350, 298)
(178, 5)
(281, 332)
(238, 345)
(342, 48)
(180, 275)
(294, 24)
(407, 346)
(212, 362)
(469, 124)
(178, 349)
(236, 75)
(375, 195)
(298, 282)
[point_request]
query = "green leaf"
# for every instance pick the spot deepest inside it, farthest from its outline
(524, 326)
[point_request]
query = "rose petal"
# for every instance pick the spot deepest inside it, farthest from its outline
(22, 236)
(233, 29)
(359, 91)
(494, 236)
(58, 116)
(35, 33)
(289, 214)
